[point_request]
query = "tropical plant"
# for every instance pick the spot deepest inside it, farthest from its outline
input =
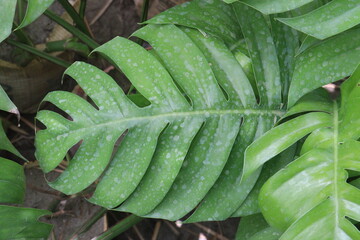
(203, 112)
(317, 194)
(218, 78)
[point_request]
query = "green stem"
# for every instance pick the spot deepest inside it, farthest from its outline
(89, 223)
(36, 52)
(68, 44)
(120, 227)
(144, 15)
(76, 32)
(20, 10)
(22, 36)
(79, 21)
(82, 9)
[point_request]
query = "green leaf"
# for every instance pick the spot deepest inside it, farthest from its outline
(317, 100)
(311, 198)
(34, 9)
(16, 222)
(328, 20)
(255, 227)
(12, 182)
(174, 151)
(7, 145)
(22, 223)
(218, 19)
(275, 141)
(250, 205)
(6, 104)
(326, 62)
(6, 18)
(263, 54)
(278, 6)
(286, 42)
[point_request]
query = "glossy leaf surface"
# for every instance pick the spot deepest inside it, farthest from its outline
(328, 20)
(255, 227)
(312, 194)
(271, 6)
(326, 62)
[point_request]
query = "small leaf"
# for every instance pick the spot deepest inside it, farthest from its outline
(6, 104)
(34, 9)
(6, 144)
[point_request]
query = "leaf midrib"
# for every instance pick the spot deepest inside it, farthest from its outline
(171, 115)
(336, 167)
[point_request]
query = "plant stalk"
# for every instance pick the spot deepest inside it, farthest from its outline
(82, 9)
(36, 52)
(144, 15)
(73, 30)
(79, 21)
(120, 227)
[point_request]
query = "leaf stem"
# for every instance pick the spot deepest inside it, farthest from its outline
(144, 15)
(39, 53)
(79, 21)
(20, 10)
(89, 223)
(120, 227)
(82, 9)
(76, 32)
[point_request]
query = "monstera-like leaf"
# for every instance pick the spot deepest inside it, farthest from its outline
(312, 197)
(325, 19)
(186, 147)
(185, 150)
(7, 12)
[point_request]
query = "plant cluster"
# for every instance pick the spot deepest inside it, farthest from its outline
(236, 122)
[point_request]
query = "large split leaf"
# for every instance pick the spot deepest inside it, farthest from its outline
(311, 197)
(7, 11)
(178, 150)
